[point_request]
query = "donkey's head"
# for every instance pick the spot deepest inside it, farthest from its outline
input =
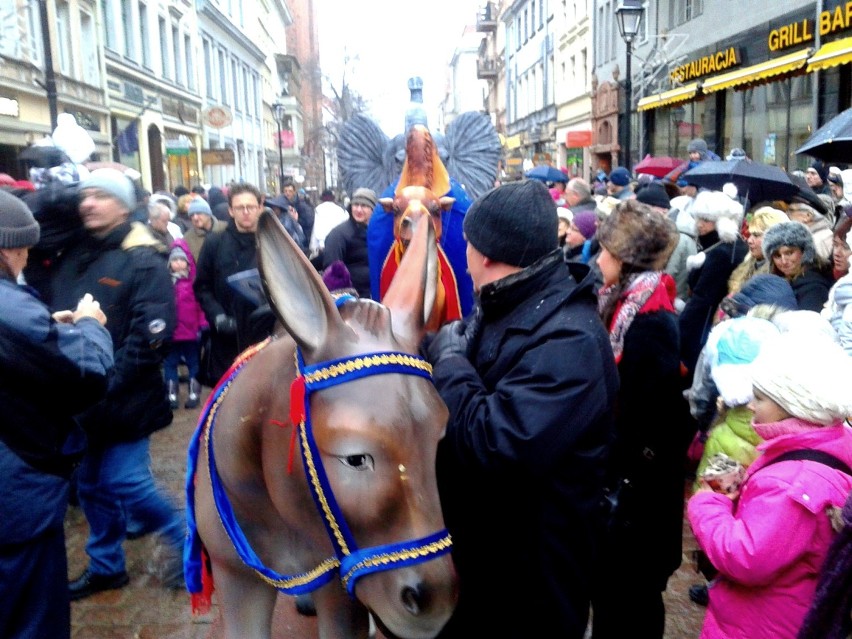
(376, 436)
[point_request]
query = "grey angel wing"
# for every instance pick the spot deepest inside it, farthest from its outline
(362, 156)
(473, 152)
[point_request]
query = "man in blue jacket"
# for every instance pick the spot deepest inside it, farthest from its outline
(530, 382)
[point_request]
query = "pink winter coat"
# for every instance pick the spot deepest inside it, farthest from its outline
(190, 317)
(770, 544)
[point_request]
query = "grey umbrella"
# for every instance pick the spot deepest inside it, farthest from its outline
(753, 180)
(832, 142)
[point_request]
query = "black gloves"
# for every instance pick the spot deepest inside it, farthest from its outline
(454, 338)
(225, 324)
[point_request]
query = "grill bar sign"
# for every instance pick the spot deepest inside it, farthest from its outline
(713, 63)
(217, 117)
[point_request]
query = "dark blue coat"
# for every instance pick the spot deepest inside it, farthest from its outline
(521, 468)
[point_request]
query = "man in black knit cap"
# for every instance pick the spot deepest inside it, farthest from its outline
(530, 380)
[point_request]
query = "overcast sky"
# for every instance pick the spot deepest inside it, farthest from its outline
(393, 41)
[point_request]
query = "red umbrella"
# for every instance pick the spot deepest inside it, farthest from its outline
(659, 166)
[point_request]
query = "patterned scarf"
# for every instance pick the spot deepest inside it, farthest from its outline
(642, 293)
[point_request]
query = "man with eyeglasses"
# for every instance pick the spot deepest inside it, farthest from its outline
(222, 255)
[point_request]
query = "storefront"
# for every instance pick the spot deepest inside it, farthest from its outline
(757, 91)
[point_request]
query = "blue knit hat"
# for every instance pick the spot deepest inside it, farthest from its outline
(199, 205)
(620, 176)
(762, 289)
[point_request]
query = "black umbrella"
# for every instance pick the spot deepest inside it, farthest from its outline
(832, 142)
(753, 180)
(806, 194)
(43, 157)
(546, 173)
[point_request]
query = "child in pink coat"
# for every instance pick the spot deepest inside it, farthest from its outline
(769, 541)
(186, 344)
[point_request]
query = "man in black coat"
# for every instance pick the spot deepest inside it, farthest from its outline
(347, 242)
(530, 382)
(303, 208)
(224, 254)
(119, 264)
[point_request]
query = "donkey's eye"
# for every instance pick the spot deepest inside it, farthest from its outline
(358, 462)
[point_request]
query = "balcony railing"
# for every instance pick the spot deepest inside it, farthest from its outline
(486, 69)
(486, 19)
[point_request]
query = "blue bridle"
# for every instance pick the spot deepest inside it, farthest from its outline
(350, 562)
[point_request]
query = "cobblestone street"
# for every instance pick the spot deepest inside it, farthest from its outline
(146, 610)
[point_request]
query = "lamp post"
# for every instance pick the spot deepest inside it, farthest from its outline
(629, 15)
(279, 110)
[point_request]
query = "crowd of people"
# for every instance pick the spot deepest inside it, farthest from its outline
(616, 331)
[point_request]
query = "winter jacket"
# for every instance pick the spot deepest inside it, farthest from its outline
(189, 316)
(708, 284)
(769, 546)
(347, 242)
(732, 435)
(195, 237)
(811, 289)
(652, 435)
(130, 279)
(222, 255)
(520, 469)
(686, 247)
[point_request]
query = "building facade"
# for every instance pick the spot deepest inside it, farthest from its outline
(762, 82)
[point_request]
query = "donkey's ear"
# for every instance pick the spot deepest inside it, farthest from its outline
(411, 295)
(296, 293)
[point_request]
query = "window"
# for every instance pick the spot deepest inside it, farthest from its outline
(584, 67)
(520, 33)
(144, 35)
(526, 25)
(532, 16)
(247, 93)
(681, 11)
(223, 75)
(540, 13)
(89, 50)
(129, 34)
(164, 47)
(63, 36)
(110, 32)
(177, 58)
(190, 63)
(238, 103)
(208, 68)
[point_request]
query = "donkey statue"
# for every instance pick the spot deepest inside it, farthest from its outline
(313, 466)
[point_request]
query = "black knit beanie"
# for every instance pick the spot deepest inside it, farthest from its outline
(18, 227)
(514, 224)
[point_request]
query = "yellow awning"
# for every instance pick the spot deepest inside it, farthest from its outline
(831, 54)
(681, 94)
(757, 72)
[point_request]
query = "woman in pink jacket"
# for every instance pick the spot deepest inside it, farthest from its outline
(769, 541)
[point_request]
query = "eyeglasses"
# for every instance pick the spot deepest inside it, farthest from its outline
(245, 208)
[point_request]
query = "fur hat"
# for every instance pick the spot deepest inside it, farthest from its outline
(721, 209)
(199, 205)
(336, 277)
(364, 196)
(654, 194)
(638, 236)
(763, 288)
(564, 214)
(115, 183)
(606, 206)
(514, 223)
(18, 227)
(789, 234)
(764, 218)
(807, 321)
(620, 176)
(585, 221)
(734, 346)
(807, 375)
(737, 154)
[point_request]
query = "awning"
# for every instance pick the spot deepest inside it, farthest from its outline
(757, 72)
(831, 55)
(681, 94)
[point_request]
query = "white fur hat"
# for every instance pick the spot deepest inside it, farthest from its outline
(718, 207)
(807, 375)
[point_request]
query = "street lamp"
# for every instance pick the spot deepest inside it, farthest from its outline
(280, 110)
(629, 16)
